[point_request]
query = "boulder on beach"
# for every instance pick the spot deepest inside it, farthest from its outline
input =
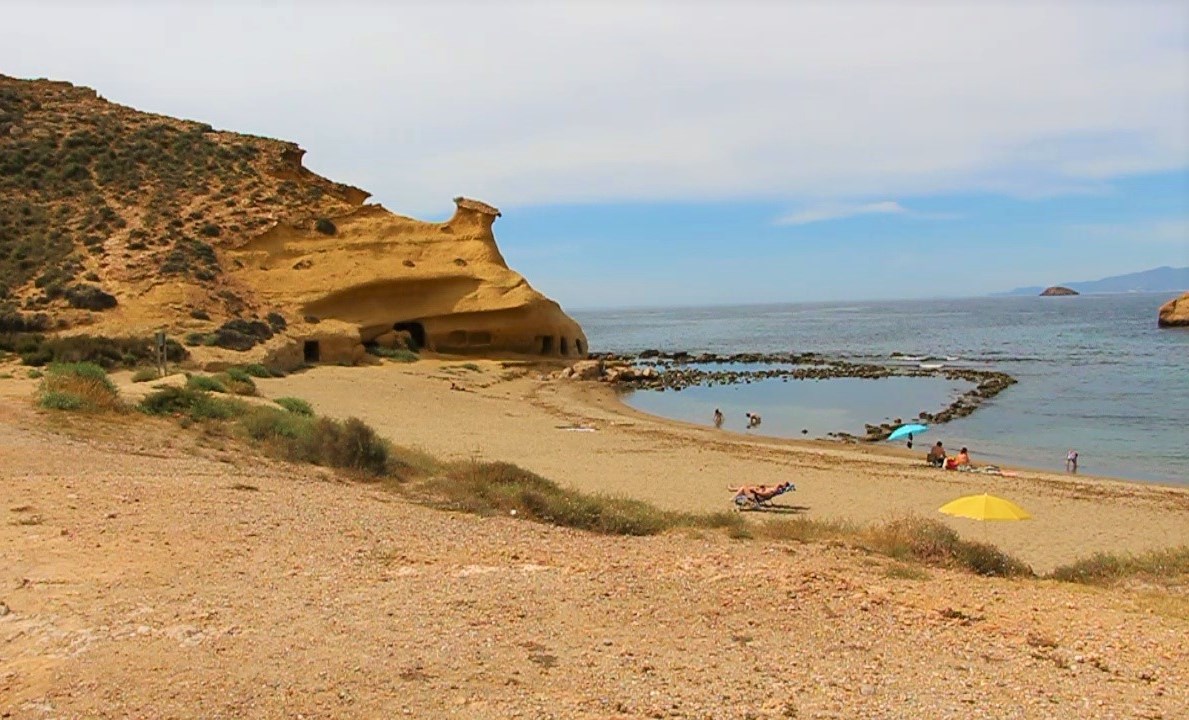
(1174, 313)
(1057, 290)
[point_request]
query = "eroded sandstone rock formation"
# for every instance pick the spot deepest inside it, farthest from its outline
(1174, 313)
(444, 284)
(120, 222)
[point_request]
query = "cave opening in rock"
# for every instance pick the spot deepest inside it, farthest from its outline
(415, 330)
(578, 346)
(311, 351)
(565, 347)
(546, 344)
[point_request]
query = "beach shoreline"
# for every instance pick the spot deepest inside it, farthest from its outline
(583, 436)
(157, 570)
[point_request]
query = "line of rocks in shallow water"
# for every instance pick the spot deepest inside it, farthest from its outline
(658, 370)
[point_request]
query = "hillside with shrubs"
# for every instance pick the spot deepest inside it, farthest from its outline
(103, 206)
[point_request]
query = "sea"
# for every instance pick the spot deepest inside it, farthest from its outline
(1095, 374)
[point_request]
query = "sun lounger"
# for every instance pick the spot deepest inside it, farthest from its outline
(758, 500)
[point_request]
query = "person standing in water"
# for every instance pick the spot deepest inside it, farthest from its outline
(1071, 461)
(717, 418)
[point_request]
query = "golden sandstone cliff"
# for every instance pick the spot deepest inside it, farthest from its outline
(119, 222)
(1174, 313)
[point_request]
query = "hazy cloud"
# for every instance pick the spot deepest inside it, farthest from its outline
(836, 212)
(543, 103)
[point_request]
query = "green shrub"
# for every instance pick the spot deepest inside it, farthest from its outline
(272, 424)
(351, 444)
(257, 371)
(205, 382)
(397, 354)
(295, 405)
(241, 334)
(191, 403)
(37, 357)
(60, 400)
(144, 375)
(90, 297)
(87, 370)
(237, 382)
(77, 386)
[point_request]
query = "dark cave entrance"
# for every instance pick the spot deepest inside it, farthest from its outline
(415, 330)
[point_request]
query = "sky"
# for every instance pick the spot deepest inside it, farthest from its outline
(706, 152)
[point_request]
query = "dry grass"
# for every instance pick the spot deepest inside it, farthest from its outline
(1167, 567)
(910, 540)
(78, 386)
(503, 488)
(805, 530)
(934, 543)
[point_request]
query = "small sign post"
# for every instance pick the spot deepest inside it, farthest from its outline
(160, 353)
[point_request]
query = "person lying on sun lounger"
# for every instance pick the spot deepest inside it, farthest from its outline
(760, 493)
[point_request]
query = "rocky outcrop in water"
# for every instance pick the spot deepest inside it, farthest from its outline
(1174, 313)
(1058, 290)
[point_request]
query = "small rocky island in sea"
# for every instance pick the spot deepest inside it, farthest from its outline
(1058, 290)
(1174, 313)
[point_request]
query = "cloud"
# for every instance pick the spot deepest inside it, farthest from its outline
(837, 212)
(533, 103)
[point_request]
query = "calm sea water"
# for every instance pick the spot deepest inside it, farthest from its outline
(1095, 373)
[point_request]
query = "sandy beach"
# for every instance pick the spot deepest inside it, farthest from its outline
(511, 414)
(149, 571)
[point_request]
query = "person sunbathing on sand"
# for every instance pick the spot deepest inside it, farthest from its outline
(760, 493)
(961, 460)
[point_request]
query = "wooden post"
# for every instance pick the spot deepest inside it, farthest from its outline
(161, 355)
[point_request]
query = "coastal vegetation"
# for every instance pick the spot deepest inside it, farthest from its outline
(107, 352)
(78, 386)
(504, 488)
(403, 355)
(291, 431)
(1166, 565)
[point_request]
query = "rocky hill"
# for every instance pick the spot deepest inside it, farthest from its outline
(1161, 279)
(115, 222)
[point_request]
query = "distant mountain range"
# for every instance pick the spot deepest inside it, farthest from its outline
(1161, 279)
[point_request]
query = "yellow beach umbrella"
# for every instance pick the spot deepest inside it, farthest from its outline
(984, 507)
